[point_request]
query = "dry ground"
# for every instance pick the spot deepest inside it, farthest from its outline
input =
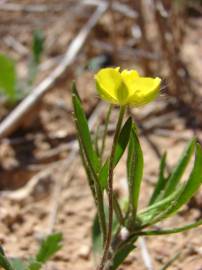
(43, 186)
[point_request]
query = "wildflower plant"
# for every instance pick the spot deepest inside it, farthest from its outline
(116, 228)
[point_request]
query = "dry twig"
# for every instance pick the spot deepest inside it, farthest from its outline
(116, 6)
(16, 117)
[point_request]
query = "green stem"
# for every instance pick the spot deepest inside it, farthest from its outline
(89, 176)
(117, 210)
(105, 131)
(97, 140)
(99, 195)
(100, 205)
(110, 189)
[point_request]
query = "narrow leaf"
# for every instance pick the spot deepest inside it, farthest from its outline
(121, 255)
(161, 181)
(135, 164)
(156, 211)
(83, 131)
(180, 168)
(4, 263)
(34, 265)
(2, 250)
(173, 230)
(37, 45)
(97, 243)
(193, 183)
(87, 170)
(120, 148)
(49, 247)
(18, 264)
(8, 78)
(170, 262)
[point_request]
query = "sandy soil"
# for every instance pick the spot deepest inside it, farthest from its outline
(43, 186)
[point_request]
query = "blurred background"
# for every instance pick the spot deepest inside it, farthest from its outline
(44, 45)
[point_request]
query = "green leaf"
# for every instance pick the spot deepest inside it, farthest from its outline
(161, 181)
(97, 239)
(87, 170)
(120, 148)
(37, 49)
(49, 247)
(92, 161)
(18, 264)
(170, 261)
(180, 168)
(37, 45)
(172, 230)
(8, 78)
(97, 243)
(135, 166)
(4, 263)
(188, 189)
(83, 131)
(121, 255)
(153, 212)
(34, 265)
(2, 250)
(193, 183)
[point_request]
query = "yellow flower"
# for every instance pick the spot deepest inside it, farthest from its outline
(126, 87)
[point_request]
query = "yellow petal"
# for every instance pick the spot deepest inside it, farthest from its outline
(129, 78)
(146, 90)
(108, 81)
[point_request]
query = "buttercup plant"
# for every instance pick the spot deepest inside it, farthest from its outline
(116, 228)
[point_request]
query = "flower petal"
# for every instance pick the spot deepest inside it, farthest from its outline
(129, 78)
(108, 81)
(146, 89)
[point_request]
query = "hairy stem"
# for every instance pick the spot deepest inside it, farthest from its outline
(105, 131)
(110, 190)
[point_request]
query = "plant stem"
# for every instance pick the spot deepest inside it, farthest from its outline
(105, 131)
(98, 193)
(117, 210)
(110, 189)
